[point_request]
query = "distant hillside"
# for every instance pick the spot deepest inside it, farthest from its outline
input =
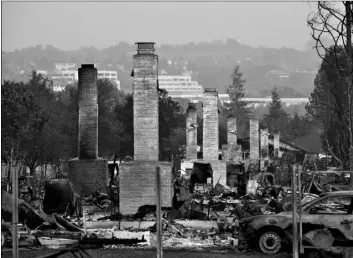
(209, 63)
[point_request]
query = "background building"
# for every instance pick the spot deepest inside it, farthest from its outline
(179, 85)
(67, 73)
(110, 75)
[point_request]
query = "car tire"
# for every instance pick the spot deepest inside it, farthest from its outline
(270, 242)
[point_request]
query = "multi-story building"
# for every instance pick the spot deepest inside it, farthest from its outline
(63, 78)
(110, 75)
(42, 72)
(179, 85)
(64, 74)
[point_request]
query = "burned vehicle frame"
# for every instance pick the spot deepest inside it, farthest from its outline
(271, 232)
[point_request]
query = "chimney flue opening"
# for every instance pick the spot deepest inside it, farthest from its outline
(145, 47)
(210, 89)
(87, 66)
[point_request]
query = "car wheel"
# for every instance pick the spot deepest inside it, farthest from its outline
(270, 242)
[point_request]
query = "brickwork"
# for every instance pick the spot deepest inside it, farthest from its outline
(191, 132)
(276, 145)
(145, 106)
(232, 154)
(232, 131)
(264, 147)
(88, 175)
(210, 125)
(219, 168)
(137, 185)
(254, 139)
(88, 112)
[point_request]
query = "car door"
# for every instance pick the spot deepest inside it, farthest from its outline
(332, 212)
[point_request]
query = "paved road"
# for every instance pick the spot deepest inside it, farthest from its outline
(133, 253)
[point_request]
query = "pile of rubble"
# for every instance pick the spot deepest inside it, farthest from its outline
(220, 205)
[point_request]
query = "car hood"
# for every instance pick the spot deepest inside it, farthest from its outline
(282, 220)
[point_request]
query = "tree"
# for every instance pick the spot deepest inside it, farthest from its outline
(110, 129)
(276, 120)
(236, 108)
(19, 115)
(124, 114)
(29, 122)
(328, 105)
(43, 145)
(171, 117)
(335, 21)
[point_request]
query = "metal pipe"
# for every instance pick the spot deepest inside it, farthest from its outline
(158, 213)
(301, 250)
(15, 214)
(294, 212)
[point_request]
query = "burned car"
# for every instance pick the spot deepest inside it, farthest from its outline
(332, 212)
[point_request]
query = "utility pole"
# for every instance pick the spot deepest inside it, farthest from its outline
(14, 214)
(294, 212)
(158, 213)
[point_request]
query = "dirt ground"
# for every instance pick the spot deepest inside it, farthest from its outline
(133, 253)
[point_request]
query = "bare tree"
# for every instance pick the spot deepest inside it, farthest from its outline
(334, 20)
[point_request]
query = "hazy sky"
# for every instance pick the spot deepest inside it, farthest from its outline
(69, 26)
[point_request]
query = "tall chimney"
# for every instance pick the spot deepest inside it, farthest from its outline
(210, 125)
(191, 132)
(276, 145)
(264, 147)
(145, 103)
(254, 139)
(88, 172)
(232, 131)
(88, 112)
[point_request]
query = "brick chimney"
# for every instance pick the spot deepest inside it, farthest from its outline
(254, 139)
(191, 132)
(88, 112)
(145, 103)
(210, 125)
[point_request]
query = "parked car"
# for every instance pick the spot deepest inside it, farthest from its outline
(332, 210)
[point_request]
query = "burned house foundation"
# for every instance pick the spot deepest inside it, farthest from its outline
(138, 185)
(137, 179)
(88, 173)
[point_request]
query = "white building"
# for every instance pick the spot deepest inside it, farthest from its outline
(179, 85)
(42, 72)
(65, 77)
(110, 75)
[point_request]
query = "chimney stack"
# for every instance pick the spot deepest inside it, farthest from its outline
(276, 145)
(88, 172)
(210, 144)
(191, 132)
(145, 103)
(88, 112)
(264, 147)
(254, 139)
(232, 131)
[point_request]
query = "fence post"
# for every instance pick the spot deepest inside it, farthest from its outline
(294, 212)
(14, 214)
(301, 250)
(158, 213)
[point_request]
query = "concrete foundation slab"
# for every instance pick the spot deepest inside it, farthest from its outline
(88, 175)
(121, 225)
(143, 225)
(137, 185)
(198, 224)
